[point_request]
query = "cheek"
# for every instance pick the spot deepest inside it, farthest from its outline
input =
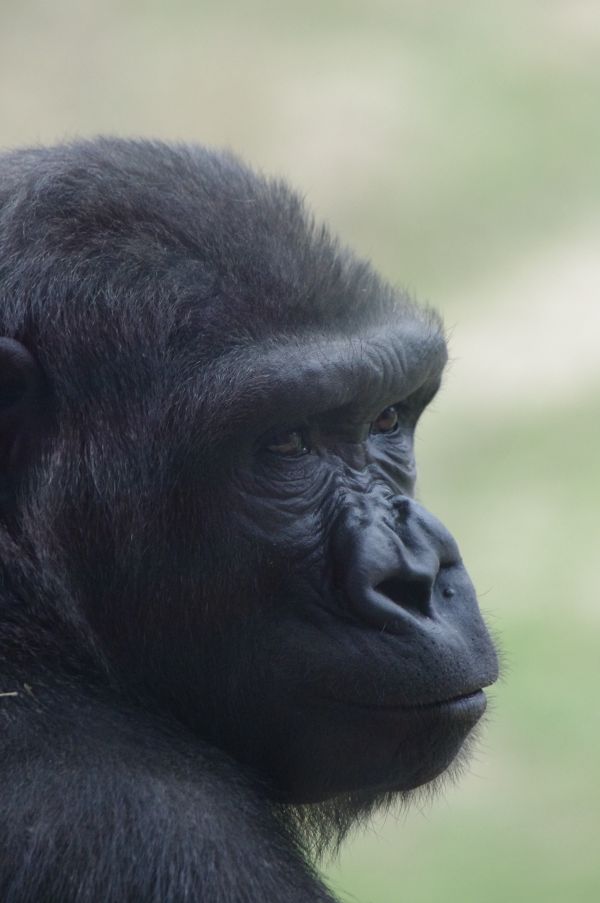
(393, 463)
(284, 506)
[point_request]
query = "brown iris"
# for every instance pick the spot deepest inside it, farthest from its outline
(386, 422)
(289, 443)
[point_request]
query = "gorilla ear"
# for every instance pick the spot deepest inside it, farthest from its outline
(20, 383)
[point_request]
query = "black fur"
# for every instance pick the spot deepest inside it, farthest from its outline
(194, 687)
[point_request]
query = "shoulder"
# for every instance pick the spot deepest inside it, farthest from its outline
(134, 818)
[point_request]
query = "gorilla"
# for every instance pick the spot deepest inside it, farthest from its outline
(228, 631)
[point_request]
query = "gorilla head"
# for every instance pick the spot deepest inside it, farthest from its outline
(207, 474)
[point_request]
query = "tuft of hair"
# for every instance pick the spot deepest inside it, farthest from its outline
(320, 829)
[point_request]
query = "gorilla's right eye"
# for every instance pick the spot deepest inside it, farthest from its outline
(287, 443)
(387, 422)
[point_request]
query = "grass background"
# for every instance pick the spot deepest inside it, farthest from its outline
(458, 145)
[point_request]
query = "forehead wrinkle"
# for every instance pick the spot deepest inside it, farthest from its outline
(293, 377)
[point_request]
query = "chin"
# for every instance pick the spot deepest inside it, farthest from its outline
(377, 750)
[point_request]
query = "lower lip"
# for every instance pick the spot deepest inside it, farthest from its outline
(469, 706)
(462, 707)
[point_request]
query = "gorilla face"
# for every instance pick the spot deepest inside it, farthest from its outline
(363, 655)
(227, 480)
(332, 636)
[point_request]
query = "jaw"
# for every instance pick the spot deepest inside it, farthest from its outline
(322, 823)
(346, 749)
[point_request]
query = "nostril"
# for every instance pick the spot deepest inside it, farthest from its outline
(410, 594)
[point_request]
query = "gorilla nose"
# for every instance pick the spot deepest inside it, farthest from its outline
(391, 567)
(391, 583)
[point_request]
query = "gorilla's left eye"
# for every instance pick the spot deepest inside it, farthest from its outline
(288, 443)
(387, 421)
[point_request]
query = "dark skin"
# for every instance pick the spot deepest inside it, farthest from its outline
(227, 628)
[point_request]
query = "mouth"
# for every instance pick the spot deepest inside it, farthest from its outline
(468, 703)
(464, 706)
(468, 708)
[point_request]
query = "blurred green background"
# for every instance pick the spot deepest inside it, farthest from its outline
(457, 145)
